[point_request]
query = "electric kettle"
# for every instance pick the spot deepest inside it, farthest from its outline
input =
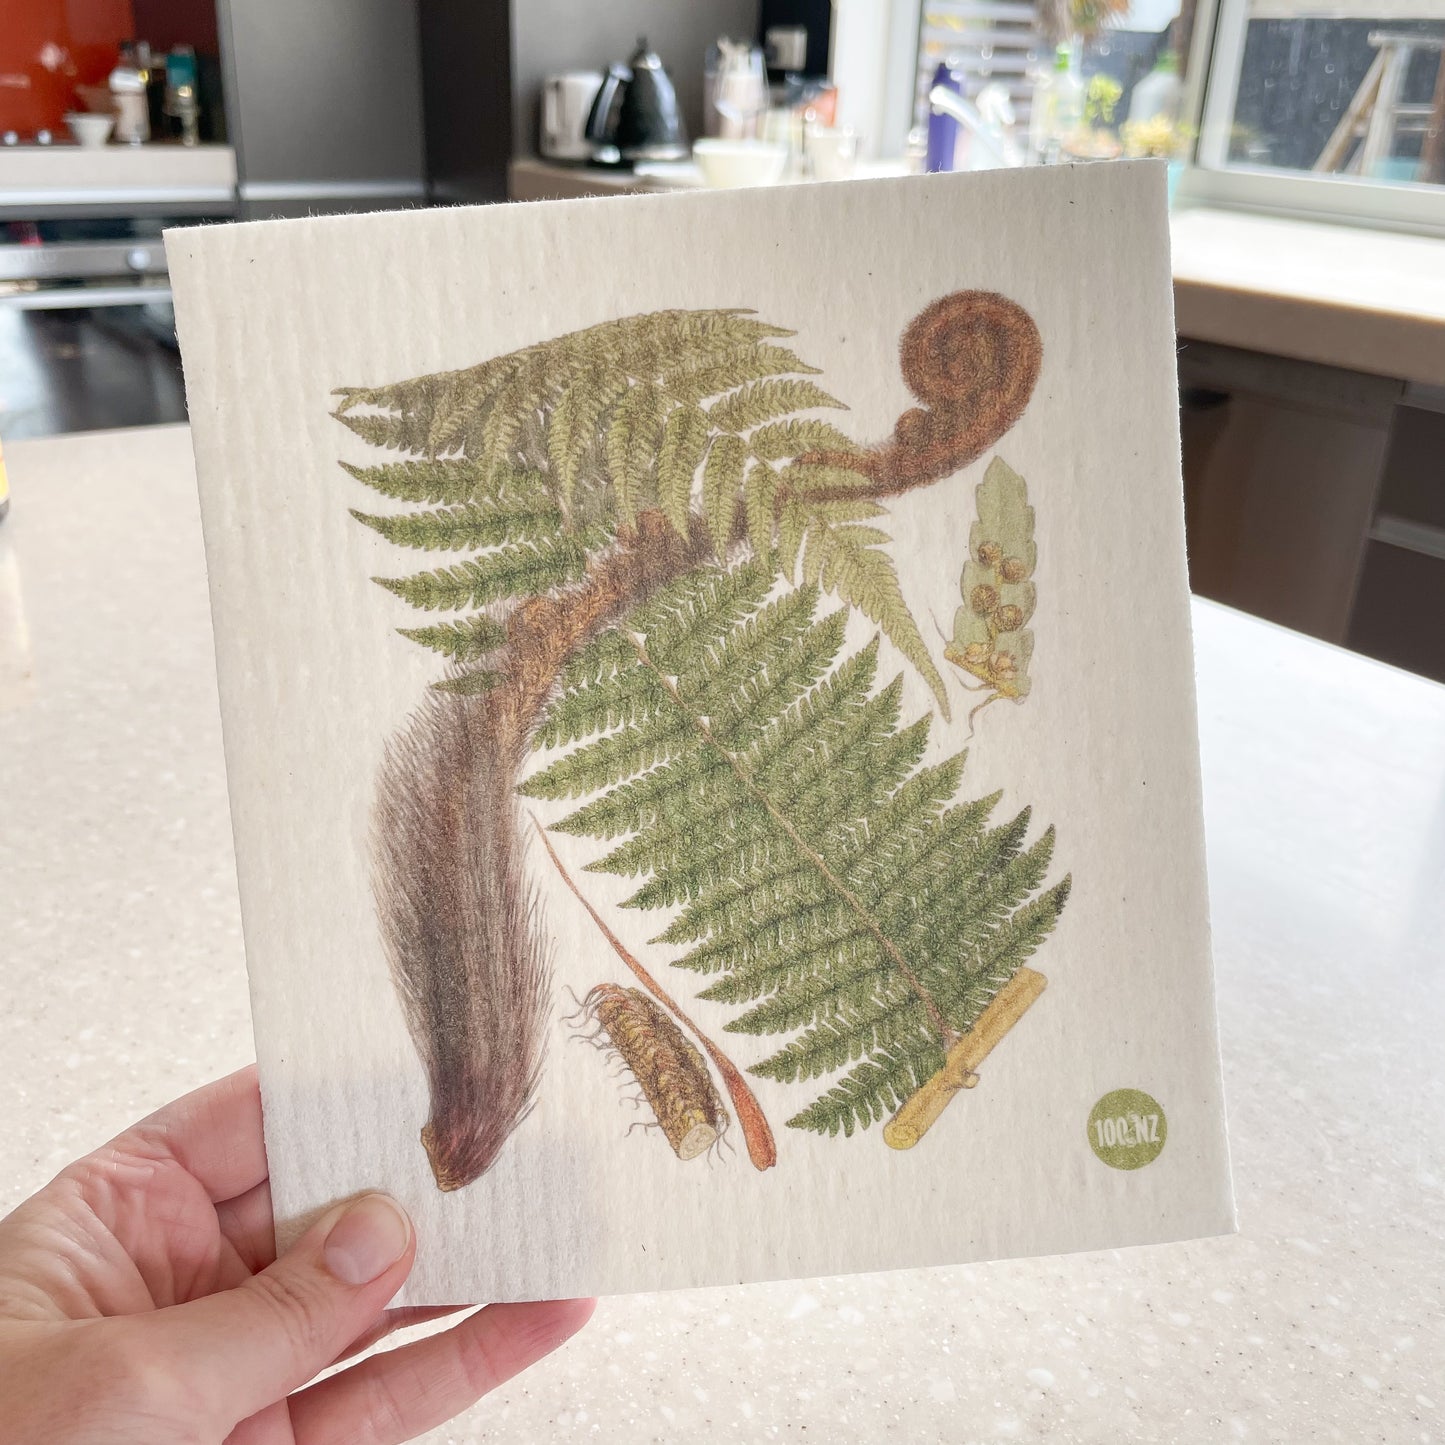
(634, 117)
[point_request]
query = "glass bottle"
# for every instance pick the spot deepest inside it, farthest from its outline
(1159, 93)
(943, 129)
(1058, 106)
(128, 93)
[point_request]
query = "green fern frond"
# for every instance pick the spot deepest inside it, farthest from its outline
(829, 882)
(793, 518)
(832, 940)
(804, 478)
(848, 560)
(875, 1089)
(829, 548)
(521, 570)
(468, 684)
(684, 440)
(774, 935)
(713, 374)
(519, 400)
(568, 436)
(470, 526)
(603, 657)
(834, 1043)
(848, 976)
(465, 640)
(722, 481)
(731, 910)
(490, 410)
(572, 427)
(741, 704)
(451, 405)
(393, 431)
(612, 814)
(687, 869)
(760, 503)
(607, 761)
(452, 480)
(697, 334)
(647, 344)
(622, 700)
(781, 440)
(687, 621)
(429, 415)
(632, 439)
(762, 401)
(417, 394)
(843, 509)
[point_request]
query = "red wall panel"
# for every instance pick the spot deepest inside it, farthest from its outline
(47, 48)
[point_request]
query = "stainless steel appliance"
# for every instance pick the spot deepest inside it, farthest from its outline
(82, 228)
(58, 264)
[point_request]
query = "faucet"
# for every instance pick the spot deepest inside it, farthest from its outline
(988, 133)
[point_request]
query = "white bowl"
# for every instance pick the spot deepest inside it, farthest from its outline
(739, 162)
(89, 128)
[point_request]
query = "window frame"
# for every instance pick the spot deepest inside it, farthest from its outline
(1212, 179)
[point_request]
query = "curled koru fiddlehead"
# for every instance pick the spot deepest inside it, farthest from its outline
(972, 358)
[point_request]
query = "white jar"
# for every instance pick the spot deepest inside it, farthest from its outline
(132, 113)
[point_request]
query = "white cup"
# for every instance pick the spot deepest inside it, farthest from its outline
(833, 151)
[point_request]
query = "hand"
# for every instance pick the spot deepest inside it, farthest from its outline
(141, 1301)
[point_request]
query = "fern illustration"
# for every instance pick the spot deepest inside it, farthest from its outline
(569, 484)
(828, 881)
(571, 438)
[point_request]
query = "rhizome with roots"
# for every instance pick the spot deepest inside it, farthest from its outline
(671, 1077)
(657, 539)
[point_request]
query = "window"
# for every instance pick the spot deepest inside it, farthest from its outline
(1333, 106)
(986, 39)
(1326, 107)
(1117, 88)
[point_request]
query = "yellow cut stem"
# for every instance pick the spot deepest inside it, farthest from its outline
(436, 1157)
(920, 1110)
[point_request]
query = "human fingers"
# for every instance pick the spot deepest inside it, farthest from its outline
(214, 1133)
(243, 1348)
(271, 1426)
(403, 1318)
(397, 1395)
(248, 1223)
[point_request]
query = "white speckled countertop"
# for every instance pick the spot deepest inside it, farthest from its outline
(1324, 1319)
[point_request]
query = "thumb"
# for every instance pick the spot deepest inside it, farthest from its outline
(250, 1346)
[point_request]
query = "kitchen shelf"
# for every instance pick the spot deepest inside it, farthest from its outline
(61, 177)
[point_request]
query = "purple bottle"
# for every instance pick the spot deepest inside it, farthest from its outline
(943, 129)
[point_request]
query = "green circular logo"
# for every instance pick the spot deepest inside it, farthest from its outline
(1127, 1129)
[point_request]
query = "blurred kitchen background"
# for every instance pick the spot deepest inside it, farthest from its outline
(1304, 139)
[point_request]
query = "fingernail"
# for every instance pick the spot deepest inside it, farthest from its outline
(367, 1240)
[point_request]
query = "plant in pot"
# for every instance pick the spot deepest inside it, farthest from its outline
(1095, 139)
(1159, 138)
